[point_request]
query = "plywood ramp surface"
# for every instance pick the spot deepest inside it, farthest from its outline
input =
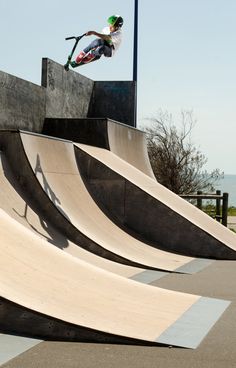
(14, 205)
(125, 141)
(40, 277)
(54, 165)
(130, 145)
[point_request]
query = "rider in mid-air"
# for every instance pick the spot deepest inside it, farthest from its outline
(106, 44)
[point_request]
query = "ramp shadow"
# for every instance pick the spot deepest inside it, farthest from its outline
(47, 188)
(54, 236)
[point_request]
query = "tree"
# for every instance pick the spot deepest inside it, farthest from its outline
(176, 162)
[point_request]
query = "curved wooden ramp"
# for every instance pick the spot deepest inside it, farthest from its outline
(53, 162)
(150, 209)
(19, 204)
(123, 140)
(129, 144)
(47, 293)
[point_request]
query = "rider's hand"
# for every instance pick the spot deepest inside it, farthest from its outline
(89, 33)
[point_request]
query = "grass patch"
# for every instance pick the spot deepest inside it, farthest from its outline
(210, 209)
(232, 211)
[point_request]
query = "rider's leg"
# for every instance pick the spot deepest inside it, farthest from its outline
(104, 49)
(98, 47)
(94, 44)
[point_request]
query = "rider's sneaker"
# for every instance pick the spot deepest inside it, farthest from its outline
(89, 58)
(74, 64)
(80, 57)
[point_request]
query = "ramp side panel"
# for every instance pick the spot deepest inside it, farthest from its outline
(165, 220)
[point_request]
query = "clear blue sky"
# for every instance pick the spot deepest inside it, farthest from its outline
(186, 57)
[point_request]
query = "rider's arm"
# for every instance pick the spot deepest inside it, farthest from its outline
(100, 35)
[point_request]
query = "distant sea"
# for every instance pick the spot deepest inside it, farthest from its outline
(228, 185)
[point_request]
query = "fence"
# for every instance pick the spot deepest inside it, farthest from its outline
(221, 210)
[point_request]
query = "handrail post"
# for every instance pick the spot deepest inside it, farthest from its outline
(218, 201)
(225, 208)
(199, 200)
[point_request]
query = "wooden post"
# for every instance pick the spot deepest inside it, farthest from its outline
(199, 200)
(225, 208)
(218, 200)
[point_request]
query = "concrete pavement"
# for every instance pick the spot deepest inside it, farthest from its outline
(231, 221)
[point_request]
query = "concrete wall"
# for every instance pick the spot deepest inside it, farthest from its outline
(68, 94)
(72, 95)
(22, 104)
(114, 100)
(87, 131)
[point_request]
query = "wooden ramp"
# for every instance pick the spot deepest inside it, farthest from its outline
(19, 204)
(53, 162)
(150, 209)
(125, 141)
(47, 293)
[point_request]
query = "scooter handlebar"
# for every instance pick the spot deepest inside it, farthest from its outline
(69, 38)
(76, 38)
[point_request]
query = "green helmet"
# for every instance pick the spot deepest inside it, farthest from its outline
(115, 20)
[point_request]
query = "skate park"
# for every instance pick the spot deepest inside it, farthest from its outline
(99, 262)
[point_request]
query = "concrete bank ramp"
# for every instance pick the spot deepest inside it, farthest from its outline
(46, 293)
(149, 209)
(18, 203)
(125, 141)
(53, 162)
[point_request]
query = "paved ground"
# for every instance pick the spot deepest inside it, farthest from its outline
(232, 222)
(217, 350)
